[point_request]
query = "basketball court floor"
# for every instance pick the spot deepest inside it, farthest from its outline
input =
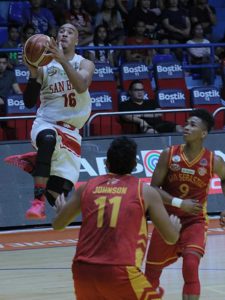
(35, 265)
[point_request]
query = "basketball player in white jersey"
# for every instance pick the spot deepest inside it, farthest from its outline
(65, 106)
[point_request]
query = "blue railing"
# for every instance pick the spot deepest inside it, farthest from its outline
(185, 65)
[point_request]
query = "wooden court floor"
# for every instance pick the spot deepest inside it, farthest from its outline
(35, 265)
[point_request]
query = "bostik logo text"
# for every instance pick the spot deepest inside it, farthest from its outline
(169, 70)
(172, 97)
(102, 72)
(207, 94)
(101, 101)
(22, 75)
(17, 103)
(135, 69)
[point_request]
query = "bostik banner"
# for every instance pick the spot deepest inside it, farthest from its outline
(205, 95)
(103, 72)
(134, 71)
(171, 98)
(169, 70)
(22, 74)
(101, 100)
(15, 105)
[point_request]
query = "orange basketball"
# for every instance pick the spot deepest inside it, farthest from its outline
(35, 50)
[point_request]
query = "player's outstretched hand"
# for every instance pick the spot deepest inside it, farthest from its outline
(176, 222)
(59, 203)
(191, 206)
(222, 219)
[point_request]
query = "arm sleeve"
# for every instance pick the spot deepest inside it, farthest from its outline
(31, 93)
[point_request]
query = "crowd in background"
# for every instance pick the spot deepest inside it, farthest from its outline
(117, 22)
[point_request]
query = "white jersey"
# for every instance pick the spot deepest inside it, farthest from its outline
(59, 100)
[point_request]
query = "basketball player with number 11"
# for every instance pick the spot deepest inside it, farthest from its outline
(65, 107)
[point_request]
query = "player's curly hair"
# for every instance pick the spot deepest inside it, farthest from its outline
(205, 116)
(121, 156)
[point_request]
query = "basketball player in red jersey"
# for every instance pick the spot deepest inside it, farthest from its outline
(184, 172)
(113, 233)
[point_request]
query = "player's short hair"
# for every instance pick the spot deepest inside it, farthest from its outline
(4, 55)
(121, 155)
(205, 116)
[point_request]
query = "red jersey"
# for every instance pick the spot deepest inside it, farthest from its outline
(114, 228)
(188, 179)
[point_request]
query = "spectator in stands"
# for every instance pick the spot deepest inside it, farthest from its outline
(205, 14)
(81, 20)
(198, 56)
(12, 42)
(149, 122)
(112, 19)
(143, 12)
(8, 82)
(58, 8)
(176, 24)
(27, 31)
(125, 6)
(138, 39)
(41, 18)
(101, 38)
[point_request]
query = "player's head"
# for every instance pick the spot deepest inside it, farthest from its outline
(68, 36)
(205, 117)
(198, 125)
(121, 156)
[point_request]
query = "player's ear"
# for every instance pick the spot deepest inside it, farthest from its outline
(204, 133)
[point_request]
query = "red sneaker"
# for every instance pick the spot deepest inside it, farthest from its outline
(26, 161)
(36, 211)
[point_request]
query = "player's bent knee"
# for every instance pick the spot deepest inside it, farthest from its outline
(190, 274)
(58, 185)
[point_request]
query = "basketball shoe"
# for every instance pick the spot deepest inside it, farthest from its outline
(37, 210)
(25, 161)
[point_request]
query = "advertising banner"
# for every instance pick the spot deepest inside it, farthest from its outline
(16, 186)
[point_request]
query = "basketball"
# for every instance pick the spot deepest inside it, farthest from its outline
(35, 50)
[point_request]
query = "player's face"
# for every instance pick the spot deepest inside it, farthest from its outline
(68, 36)
(194, 129)
(3, 65)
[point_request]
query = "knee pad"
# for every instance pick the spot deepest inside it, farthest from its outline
(190, 274)
(153, 275)
(46, 141)
(58, 185)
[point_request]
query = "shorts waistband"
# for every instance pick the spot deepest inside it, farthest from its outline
(66, 125)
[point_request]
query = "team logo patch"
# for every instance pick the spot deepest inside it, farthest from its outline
(202, 171)
(113, 181)
(187, 171)
(174, 167)
(52, 71)
(203, 162)
(176, 158)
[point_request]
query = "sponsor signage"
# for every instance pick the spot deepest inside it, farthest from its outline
(22, 74)
(205, 95)
(135, 71)
(124, 96)
(103, 72)
(15, 105)
(101, 100)
(171, 98)
(169, 70)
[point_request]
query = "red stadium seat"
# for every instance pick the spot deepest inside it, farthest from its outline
(105, 125)
(170, 75)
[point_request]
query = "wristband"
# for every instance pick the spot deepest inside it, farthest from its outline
(176, 202)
